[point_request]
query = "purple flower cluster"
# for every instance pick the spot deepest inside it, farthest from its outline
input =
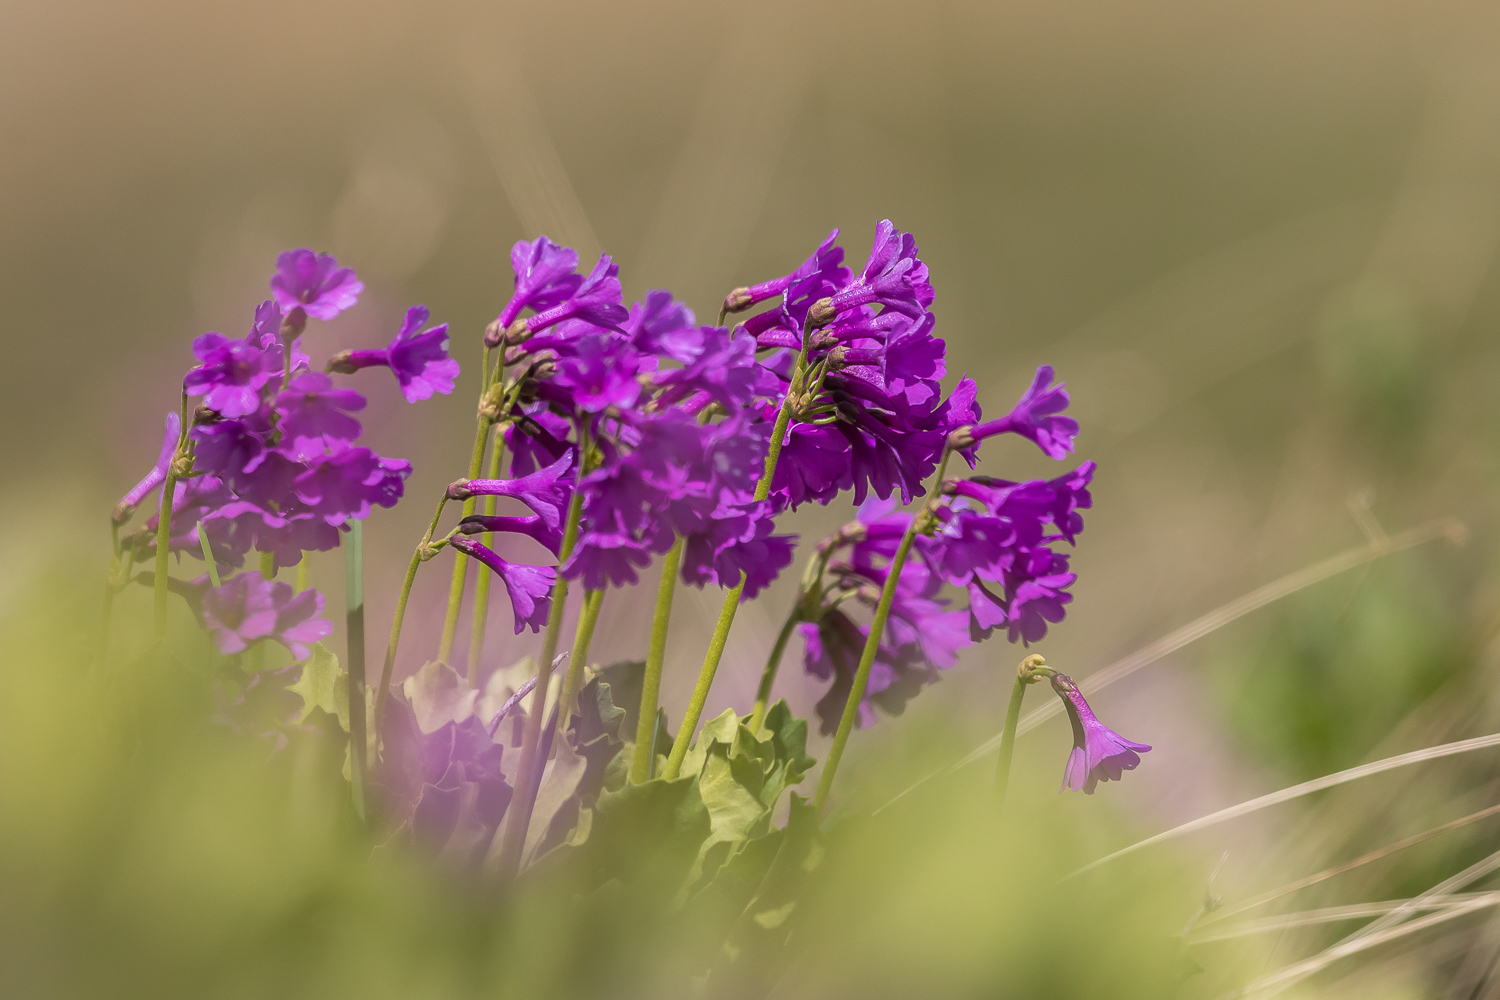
(272, 461)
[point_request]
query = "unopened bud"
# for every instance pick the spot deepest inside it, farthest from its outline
(821, 313)
(835, 358)
(202, 416)
(341, 363)
(459, 490)
(738, 300)
(493, 334)
(1032, 669)
(121, 513)
(293, 323)
(182, 465)
(489, 403)
(517, 333)
(820, 340)
(961, 438)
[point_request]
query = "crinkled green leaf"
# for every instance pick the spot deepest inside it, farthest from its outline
(554, 796)
(788, 739)
(438, 696)
(323, 685)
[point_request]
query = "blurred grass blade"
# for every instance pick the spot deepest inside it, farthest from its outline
(1332, 914)
(1365, 940)
(1306, 788)
(354, 603)
(1363, 859)
(1448, 528)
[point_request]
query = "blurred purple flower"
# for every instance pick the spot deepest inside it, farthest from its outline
(315, 415)
(250, 607)
(231, 373)
(158, 474)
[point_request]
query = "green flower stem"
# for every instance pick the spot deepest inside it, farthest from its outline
(583, 638)
(257, 651)
(773, 663)
(163, 541)
(208, 556)
(304, 571)
(866, 661)
(461, 561)
(1024, 677)
(518, 816)
(645, 745)
(417, 558)
(481, 610)
(354, 608)
(732, 598)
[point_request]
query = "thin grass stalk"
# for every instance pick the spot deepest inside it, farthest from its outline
(1305, 788)
(388, 667)
(773, 664)
(1334, 914)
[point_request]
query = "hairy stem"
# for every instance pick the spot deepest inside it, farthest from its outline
(773, 663)
(481, 611)
(383, 692)
(518, 816)
(866, 661)
(461, 561)
(354, 605)
(163, 541)
(645, 744)
(1008, 738)
(732, 598)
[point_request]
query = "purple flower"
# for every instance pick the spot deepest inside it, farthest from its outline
(314, 283)
(601, 374)
(530, 587)
(419, 361)
(826, 262)
(1099, 753)
(664, 326)
(315, 415)
(231, 374)
(533, 526)
(544, 491)
(250, 607)
(596, 301)
(230, 449)
(343, 486)
(724, 370)
(544, 277)
(1036, 416)
(605, 559)
(151, 480)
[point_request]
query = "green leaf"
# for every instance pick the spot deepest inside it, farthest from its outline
(323, 685)
(789, 745)
(438, 696)
(558, 787)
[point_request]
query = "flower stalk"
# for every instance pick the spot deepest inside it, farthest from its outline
(583, 638)
(425, 551)
(354, 617)
(460, 561)
(645, 744)
(1031, 670)
(482, 584)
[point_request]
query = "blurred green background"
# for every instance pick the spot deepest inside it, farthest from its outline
(1257, 240)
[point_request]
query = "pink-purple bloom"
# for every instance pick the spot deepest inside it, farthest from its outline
(529, 587)
(231, 373)
(1099, 753)
(1038, 416)
(315, 415)
(418, 358)
(314, 283)
(158, 474)
(249, 607)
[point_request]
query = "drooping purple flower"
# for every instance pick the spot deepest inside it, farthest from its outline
(419, 361)
(315, 415)
(1099, 753)
(533, 526)
(231, 374)
(1037, 415)
(314, 283)
(151, 480)
(544, 491)
(544, 277)
(530, 587)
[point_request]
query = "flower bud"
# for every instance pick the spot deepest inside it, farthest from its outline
(203, 416)
(820, 340)
(459, 490)
(292, 324)
(738, 300)
(517, 333)
(493, 334)
(961, 438)
(821, 313)
(341, 363)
